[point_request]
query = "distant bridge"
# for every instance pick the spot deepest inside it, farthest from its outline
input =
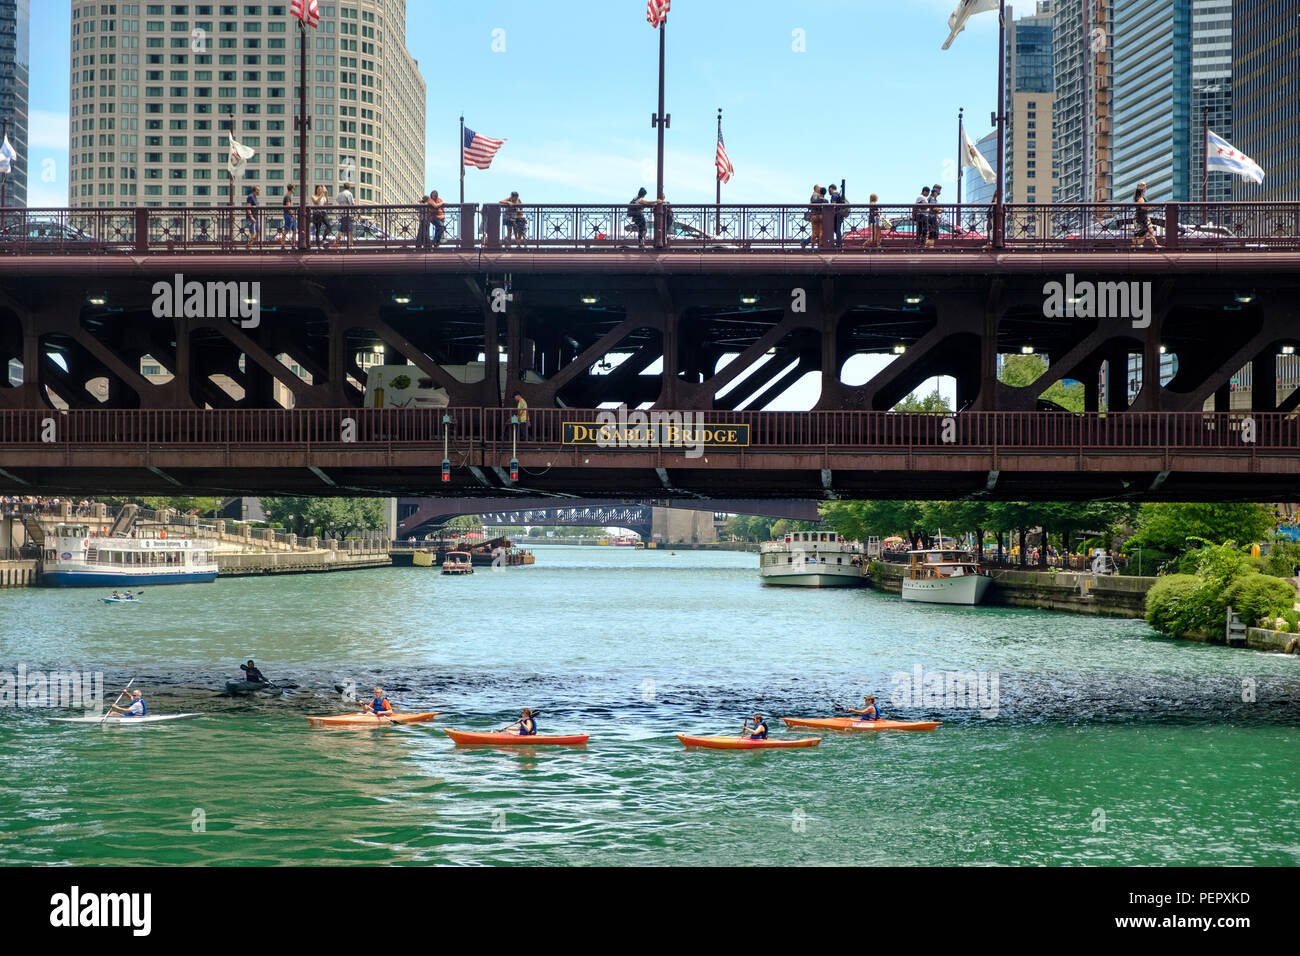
(417, 516)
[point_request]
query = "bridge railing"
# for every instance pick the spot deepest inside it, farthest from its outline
(1039, 227)
(493, 429)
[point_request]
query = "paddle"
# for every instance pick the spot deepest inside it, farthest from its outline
(109, 712)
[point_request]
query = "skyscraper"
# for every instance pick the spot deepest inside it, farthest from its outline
(1081, 41)
(14, 77)
(1211, 92)
(1031, 99)
(156, 86)
(1152, 97)
(1266, 96)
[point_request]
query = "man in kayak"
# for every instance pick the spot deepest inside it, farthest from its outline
(380, 704)
(526, 723)
(251, 673)
(136, 708)
(758, 731)
(869, 709)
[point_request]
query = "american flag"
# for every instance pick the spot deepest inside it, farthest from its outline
(656, 11)
(725, 169)
(307, 11)
(479, 150)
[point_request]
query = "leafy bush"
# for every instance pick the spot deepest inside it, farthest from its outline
(1292, 620)
(1176, 604)
(1255, 596)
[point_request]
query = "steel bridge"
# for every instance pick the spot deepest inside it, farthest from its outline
(724, 313)
(417, 516)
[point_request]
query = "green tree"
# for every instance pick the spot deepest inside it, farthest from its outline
(1172, 529)
(342, 516)
(916, 402)
(1023, 370)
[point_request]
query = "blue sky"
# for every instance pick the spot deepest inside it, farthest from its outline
(871, 99)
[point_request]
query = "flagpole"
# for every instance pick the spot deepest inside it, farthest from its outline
(999, 211)
(660, 121)
(717, 174)
(4, 180)
(961, 149)
(304, 124)
(460, 148)
(1205, 158)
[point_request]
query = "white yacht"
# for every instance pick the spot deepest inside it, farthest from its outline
(945, 576)
(811, 559)
(76, 558)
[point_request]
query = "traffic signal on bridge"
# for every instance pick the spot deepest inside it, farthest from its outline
(514, 469)
(446, 470)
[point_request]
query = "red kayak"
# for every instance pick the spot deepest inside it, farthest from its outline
(469, 737)
(370, 720)
(745, 743)
(848, 723)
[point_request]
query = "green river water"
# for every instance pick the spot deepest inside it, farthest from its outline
(1108, 745)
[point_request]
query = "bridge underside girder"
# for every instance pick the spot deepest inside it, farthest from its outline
(708, 332)
(1154, 475)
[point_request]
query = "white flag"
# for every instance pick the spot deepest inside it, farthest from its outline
(975, 158)
(8, 156)
(1222, 157)
(965, 10)
(239, 155)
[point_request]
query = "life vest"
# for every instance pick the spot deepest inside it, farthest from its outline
(144, 709)
(379, 705)
(758, 731)
(527, 728)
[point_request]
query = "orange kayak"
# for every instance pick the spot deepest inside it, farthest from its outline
(370, 720)
(848, 723)
(745, 743)
(462, 737)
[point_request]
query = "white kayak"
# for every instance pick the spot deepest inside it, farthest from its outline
(122, 721)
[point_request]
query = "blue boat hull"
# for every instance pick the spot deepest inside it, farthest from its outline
(109, 579)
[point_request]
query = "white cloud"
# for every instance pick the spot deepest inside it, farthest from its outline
(47, 130)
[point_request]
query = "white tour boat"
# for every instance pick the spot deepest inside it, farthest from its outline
(74, 558)
(811, 559)
(945, 576)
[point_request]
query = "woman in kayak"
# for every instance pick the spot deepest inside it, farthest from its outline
(869, 709)
(136, 708)
(251, 672)
(758, 731)
(526, 723)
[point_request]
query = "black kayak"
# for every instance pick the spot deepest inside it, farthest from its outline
(252, 686)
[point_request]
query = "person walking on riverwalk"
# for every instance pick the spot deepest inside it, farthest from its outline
(251, 223)
(921, 216)
(521, 415)
(1141, 222)
(347, 201)
(636, 213)
(320, 222)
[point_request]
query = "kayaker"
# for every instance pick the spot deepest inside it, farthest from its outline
(117, 596)
(380, 704)
(251, 673)
(758, 731)
(869, 709)
(136, 708)
(526, 723)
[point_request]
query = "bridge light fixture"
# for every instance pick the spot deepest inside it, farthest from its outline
(97, 298)
(900, 348)
(1288, 350)
(1026, 350)
(914, 298)
(446, 470)
(402, 298)
(1245, 298)
(590, 299)
(1162, 350)
(748, 299)
(377, 349)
